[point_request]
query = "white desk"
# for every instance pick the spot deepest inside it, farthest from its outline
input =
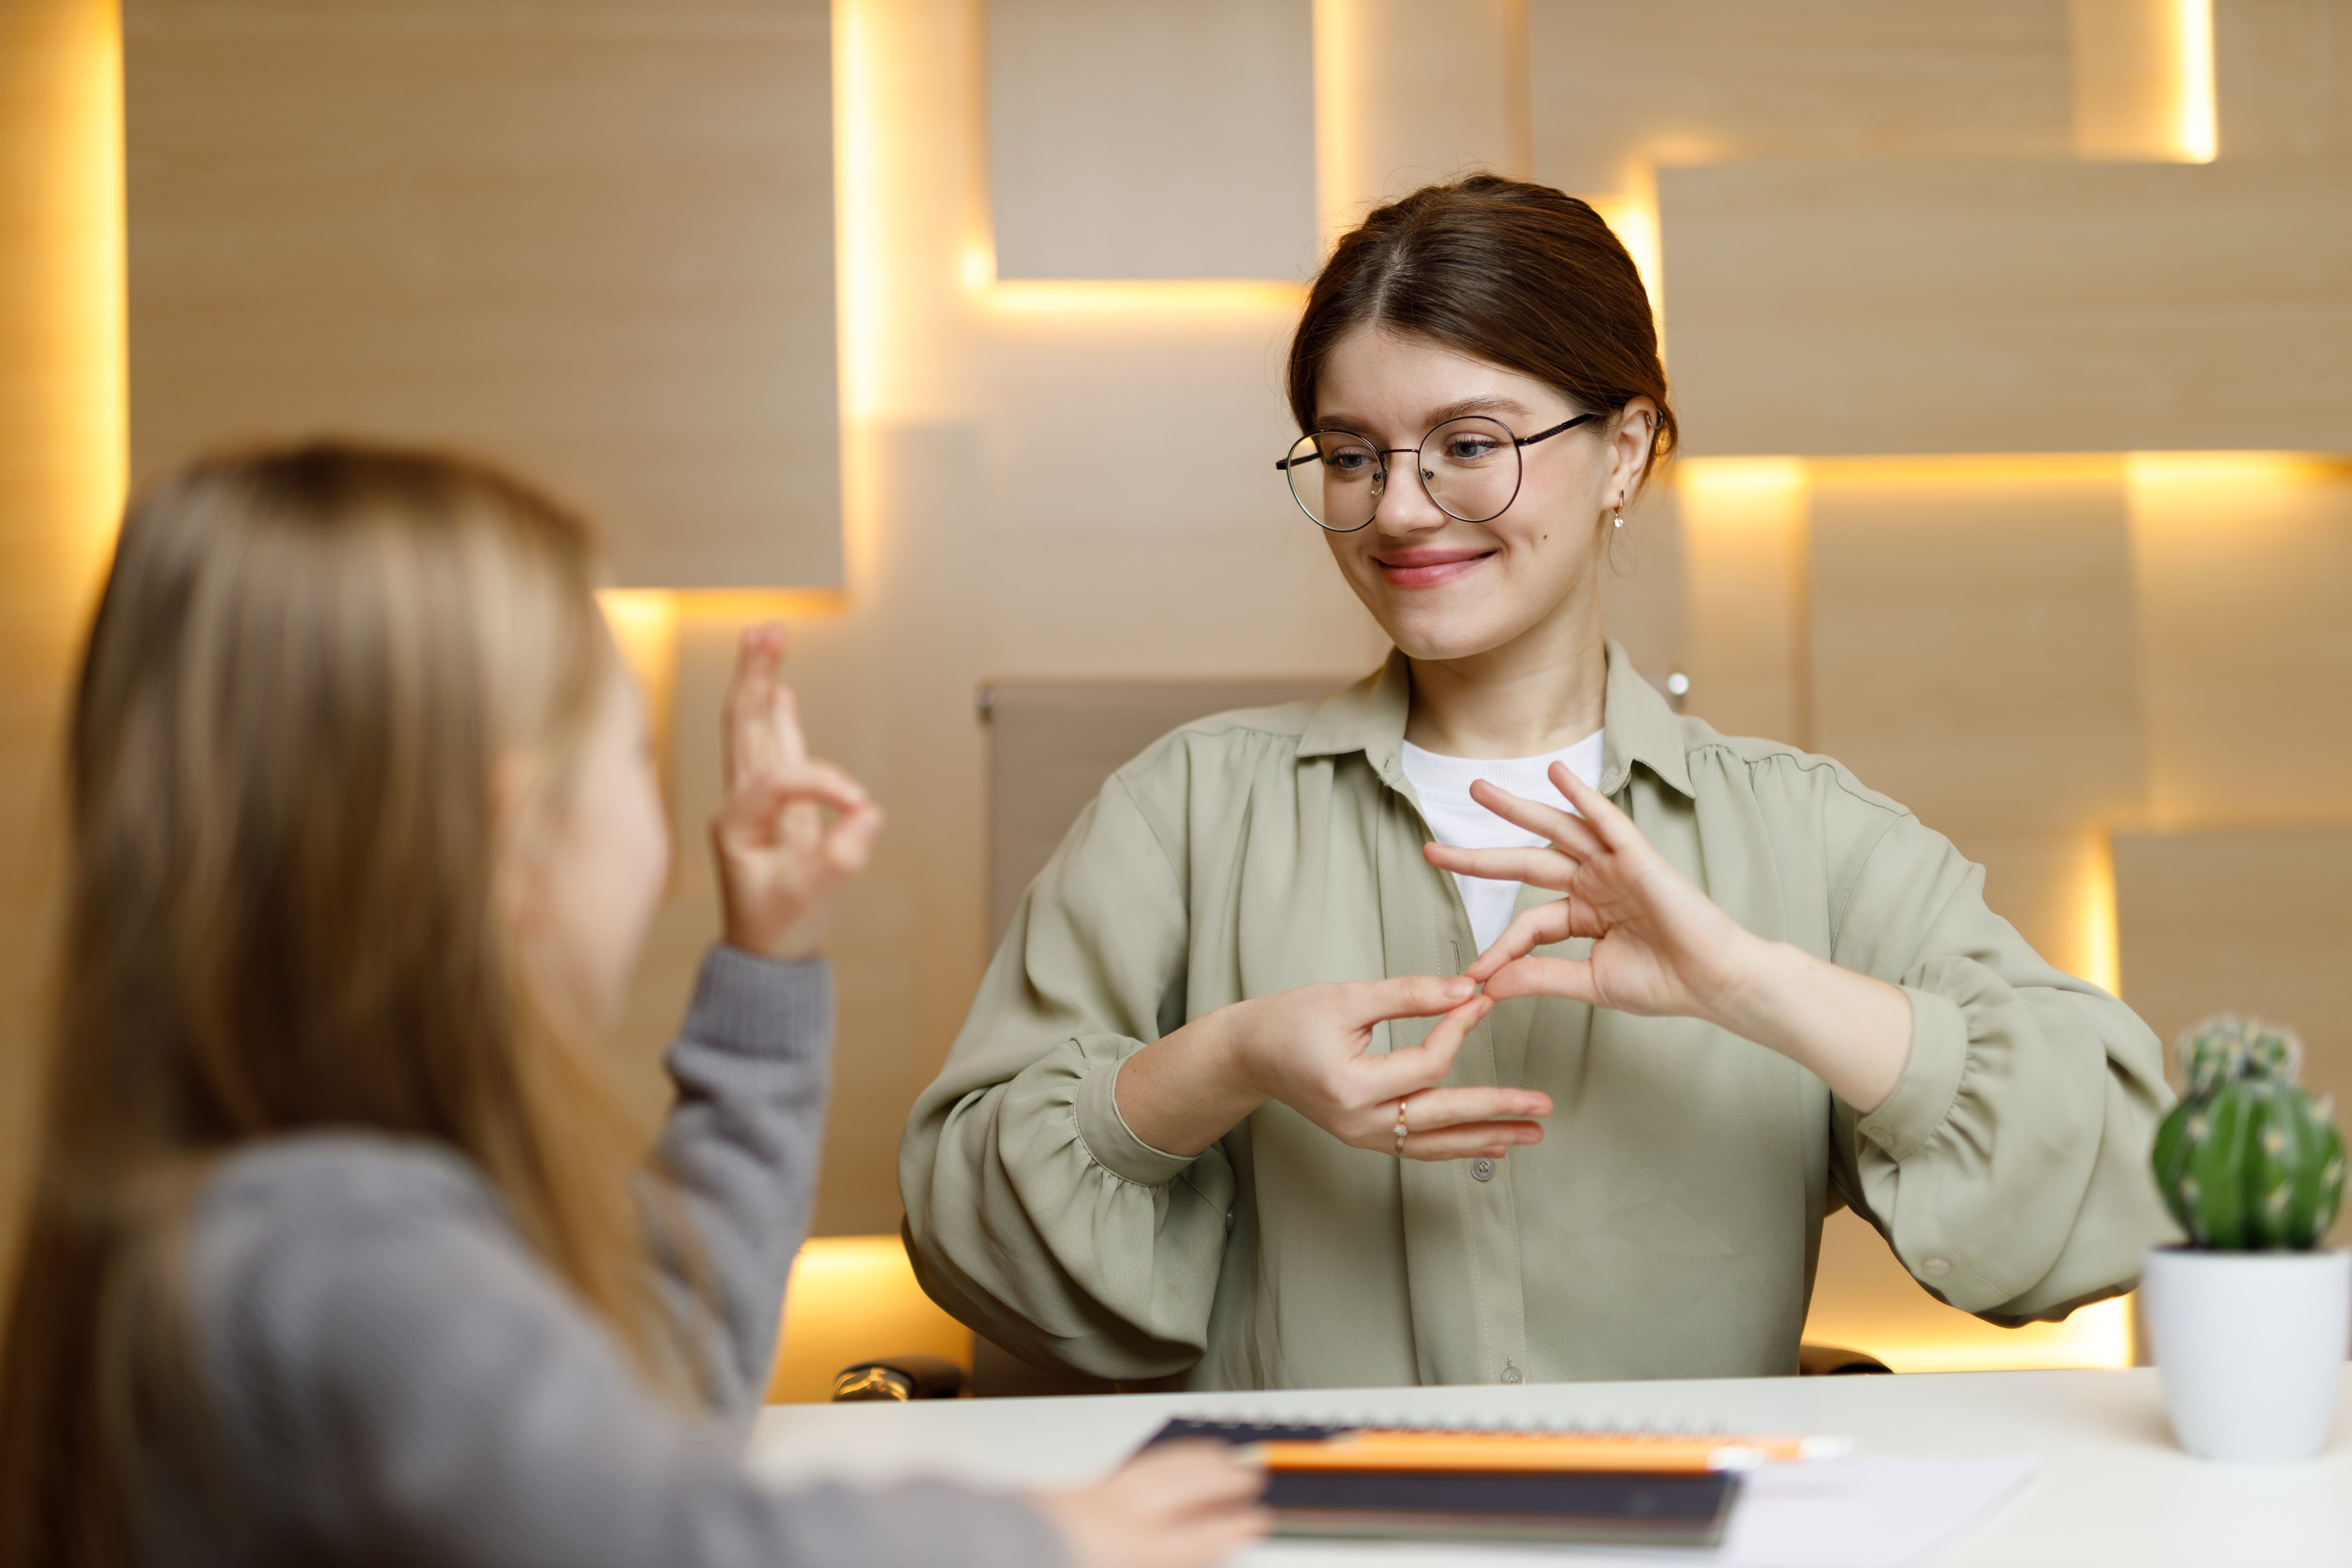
(2113, 1488)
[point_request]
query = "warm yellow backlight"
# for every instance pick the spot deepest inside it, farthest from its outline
(854, 1298)
(2196, 130)
(2096, 1336)
(1730, 481)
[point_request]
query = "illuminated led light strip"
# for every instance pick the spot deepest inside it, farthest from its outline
(85, 234)
(2196, 128)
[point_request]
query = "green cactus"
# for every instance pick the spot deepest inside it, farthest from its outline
(2248, 1160)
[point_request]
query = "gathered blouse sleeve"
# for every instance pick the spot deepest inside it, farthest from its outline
(2009, 1167)
(1032, 1211)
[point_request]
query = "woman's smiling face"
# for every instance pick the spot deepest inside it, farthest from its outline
(1442, 588)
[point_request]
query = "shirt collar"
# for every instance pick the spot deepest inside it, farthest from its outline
(1369, 717)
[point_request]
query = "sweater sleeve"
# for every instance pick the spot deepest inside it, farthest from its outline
(751, 1066)
(2009, 1167)
(396, 1380)
(1032, 1212)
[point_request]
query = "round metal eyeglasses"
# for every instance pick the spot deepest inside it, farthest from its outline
(1469, 469)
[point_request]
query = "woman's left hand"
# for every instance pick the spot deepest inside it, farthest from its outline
(1659, 945)
(781, 863)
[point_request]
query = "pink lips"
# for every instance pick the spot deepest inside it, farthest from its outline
(1428, 568)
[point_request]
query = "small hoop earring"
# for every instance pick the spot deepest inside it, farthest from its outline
(1620, 508)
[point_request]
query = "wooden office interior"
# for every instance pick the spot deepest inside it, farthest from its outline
(2013, 340)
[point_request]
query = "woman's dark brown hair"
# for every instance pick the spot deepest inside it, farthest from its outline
(284, 846)
(1511, 272)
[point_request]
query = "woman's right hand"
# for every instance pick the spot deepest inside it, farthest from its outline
(1309, 1048)
(1181, 1505)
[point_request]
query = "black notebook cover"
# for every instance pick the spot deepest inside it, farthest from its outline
(1565, 1507)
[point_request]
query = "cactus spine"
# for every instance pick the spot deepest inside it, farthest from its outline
(2248, 1160)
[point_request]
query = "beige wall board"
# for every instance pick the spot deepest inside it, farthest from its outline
(2054, 886)
(1152, 138)
(595, 239)
(2251, 922)
(2283, 76)
(1829, 307)
(1747, 628)
(2130, 76)
(2244, 603)
(1135, 524)
(1973, 646)
(1617, 89)
(1645, 585)
(1416, 91)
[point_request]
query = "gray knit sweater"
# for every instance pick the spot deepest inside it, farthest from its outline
(393, 1377)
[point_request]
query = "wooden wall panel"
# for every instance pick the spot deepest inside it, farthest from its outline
(1153, 139)
(2251, 922)
(2243, 571)
(1618, 90)
(1972, 647)
(2131, 67)
(2283, 76)
(592, 236)
(1745, 561)
(1827, 308)
(1417, 90)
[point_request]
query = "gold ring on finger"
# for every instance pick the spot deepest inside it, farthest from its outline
(1400, 1128)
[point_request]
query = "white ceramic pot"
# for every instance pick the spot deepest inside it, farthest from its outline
(2251, 1347)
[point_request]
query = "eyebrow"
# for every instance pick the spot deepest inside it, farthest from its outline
(1489, 405)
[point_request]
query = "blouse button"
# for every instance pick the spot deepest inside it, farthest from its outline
(1482, 1169)
(1934, 1266)
(1510, 1372)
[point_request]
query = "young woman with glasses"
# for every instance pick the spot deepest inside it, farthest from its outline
(1699, 990)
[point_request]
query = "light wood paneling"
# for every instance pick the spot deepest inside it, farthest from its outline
(2132, 65)
(1823, 308)
(1972, 640)
(2250, 922)
(592, 236)
(1417, 90)
(2243, 569)
(1152, 138)
(1744, 556)
(1645, 584)
(61, 465)
(2283, 76)
(1619, 88)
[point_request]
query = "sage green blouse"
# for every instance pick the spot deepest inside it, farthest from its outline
(1669, 1223)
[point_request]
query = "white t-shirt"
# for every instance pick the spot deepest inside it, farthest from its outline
(1444, 785)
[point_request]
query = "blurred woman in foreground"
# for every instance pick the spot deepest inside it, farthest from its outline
(340, 1249)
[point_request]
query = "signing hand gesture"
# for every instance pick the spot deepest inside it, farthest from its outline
(1309, 1048)
(780, 862)
(1659, 945)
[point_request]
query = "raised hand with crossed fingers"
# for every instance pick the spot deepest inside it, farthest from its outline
(781, 863)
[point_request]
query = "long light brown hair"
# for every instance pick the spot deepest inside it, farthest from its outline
(282, 913)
